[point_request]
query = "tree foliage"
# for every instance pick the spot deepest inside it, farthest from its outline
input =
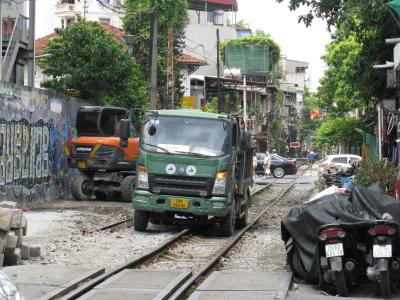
(308, 127)
(137, 22)
(339, 131)
(85, 61)
(363, 25)
(337, 91)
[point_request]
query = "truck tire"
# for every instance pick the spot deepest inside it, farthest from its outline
(79, 189)
(140, 220)
(228, 223)
(242, 222)
(127, 186)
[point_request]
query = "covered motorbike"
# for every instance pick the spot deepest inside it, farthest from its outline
(349, 218)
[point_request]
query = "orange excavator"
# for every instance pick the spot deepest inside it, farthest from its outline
(105, 169)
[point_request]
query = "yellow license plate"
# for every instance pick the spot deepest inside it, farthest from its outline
(179, 203)
(82, 165)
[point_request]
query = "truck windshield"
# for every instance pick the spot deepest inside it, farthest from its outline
(192, 136)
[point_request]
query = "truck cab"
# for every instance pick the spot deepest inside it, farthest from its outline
(195, 167)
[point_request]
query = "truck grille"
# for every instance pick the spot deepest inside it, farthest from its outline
(181, 185)
(105, 151)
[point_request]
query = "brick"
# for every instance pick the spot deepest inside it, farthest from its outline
(1, 260)
(11, 242)
(18, 219)
(14, 259)
(8, 204)
(34, 251)
(25, 252)
(6, 217)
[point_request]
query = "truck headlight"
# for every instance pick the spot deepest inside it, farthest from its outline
(143, 178)
(220, 183)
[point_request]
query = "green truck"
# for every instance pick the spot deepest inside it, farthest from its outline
(193, 166)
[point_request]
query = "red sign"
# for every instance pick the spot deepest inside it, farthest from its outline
(295, 145)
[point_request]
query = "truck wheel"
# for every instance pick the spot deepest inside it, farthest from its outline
(278, 172)
(80, 187)
(228, 223)
(127, 186)
(140, 220)
(242, 222)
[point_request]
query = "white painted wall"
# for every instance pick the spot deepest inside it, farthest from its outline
(12, 9)
(291, 77)
(201, 41)
(47, 21)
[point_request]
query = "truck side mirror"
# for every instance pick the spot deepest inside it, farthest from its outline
(124, 132)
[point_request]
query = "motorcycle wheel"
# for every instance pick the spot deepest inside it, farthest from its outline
(384, 284)
(297, 266)
(341, 285)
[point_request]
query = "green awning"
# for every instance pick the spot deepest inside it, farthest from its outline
(395, 6)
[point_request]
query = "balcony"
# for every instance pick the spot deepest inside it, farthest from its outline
(66, 9)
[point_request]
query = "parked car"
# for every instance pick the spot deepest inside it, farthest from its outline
(341, 160)
(280, 166)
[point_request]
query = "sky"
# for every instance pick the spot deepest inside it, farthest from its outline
(296, 40)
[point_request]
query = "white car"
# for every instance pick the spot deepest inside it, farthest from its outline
(341, 160)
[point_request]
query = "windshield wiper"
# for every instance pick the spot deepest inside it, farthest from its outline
(193, 154)
(158, 147)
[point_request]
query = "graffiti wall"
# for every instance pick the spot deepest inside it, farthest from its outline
(36, 130)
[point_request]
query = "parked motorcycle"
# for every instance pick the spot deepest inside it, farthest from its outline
(338, 177)
(341, 262)
(383, 255)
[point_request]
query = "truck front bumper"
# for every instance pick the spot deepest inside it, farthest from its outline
(214, 206)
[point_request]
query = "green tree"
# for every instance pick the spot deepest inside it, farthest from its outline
(337, 131)
(337, 92)
(308, 127)
(364, 25)
(137, 22)
(85, 61)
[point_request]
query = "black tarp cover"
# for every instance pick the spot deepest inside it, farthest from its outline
(361, 206)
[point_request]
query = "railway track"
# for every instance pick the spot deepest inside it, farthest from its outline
(177, 253)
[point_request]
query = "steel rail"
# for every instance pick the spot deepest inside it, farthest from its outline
(206, 269)
(85, 286)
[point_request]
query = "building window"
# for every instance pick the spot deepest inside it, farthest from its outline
(62, 24)
(215, 17)
(70, 21)
(105, 21)
(301, 69)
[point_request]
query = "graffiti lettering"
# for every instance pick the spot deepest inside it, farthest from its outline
(24, 153)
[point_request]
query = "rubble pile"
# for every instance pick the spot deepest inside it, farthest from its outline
(13, 227)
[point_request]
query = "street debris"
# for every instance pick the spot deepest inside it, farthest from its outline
(13, 227)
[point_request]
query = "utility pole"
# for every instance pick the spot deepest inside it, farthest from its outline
(218, 73)
(170, 67)
(154, 50)
(31, 43)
